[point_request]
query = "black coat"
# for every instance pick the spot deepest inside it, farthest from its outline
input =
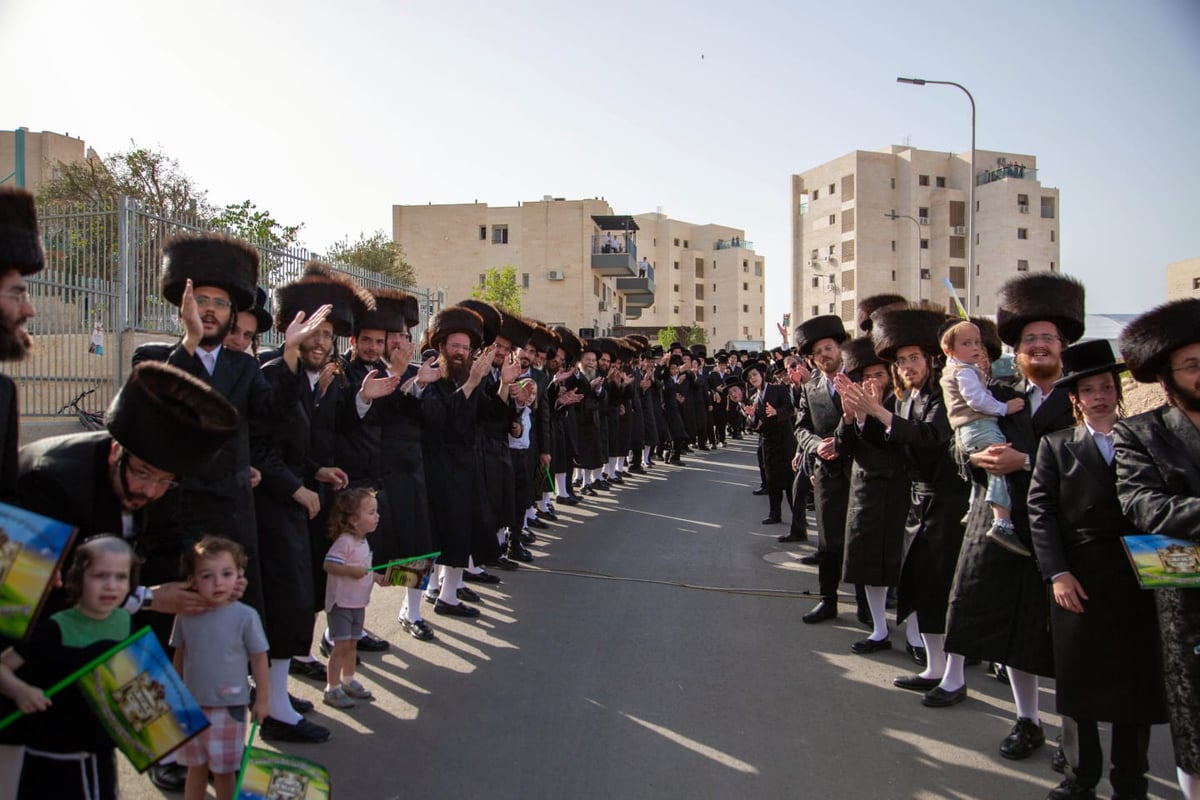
(1108, 667)
(674, 408)
(9, 439)
(817, 418)
(1158, 483)
(1000, 606)
(778, 441)
(591, 443)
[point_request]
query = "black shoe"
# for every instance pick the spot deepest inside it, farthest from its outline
(602, 485)
(169, 777)
(1070, 790)
(937, 697)
(481, 577)
(526, 536)
(826, 609)
(1023, 740)
(569, 500)
(917, 654)
(1006, 537)
(517, 551)
(1058, 761)
(577, 482)
(372, 644)
(676, 461)
(637, 469)
(314, 670)
(811, 559)
(536, 523)
(791, 537)
(915, 683)
(772, 521)
(867, 646)
(589, 491)
(616, 479)
(300, 705)
(419, 630)
(470, 595)
(505, 563)
(999, 672)
(272, 730)
(759, 491)
(550, 515)
(703, 447)
(457, 610)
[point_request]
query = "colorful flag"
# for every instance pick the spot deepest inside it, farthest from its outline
(32, 548)
(1162, 562)
(266, 775)
(411, 573)
(962, 312)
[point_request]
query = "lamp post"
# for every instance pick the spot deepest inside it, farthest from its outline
(971, 212)
(916, 222)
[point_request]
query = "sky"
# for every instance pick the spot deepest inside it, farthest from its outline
(327, 114)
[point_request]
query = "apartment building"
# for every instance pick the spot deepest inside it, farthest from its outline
(1183, 279)
(28, 158)
(863, 222)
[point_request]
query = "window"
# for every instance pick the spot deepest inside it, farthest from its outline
(814, 254)
(831, 249)
(816, 282)
(848, 250)
(745, 286)
(893, 183)
(524, 280)
(958, 214)
(832, 219)
(1052, 235)
(1022, 265)
(924, 244)
(1022, 233)
(976, 270)
(745, 308)
(699, 267)
(815, 311)
(1195, 282)
(483, 233)
(847, 309)
(1047, 208)
(596, 286)
(831, 308)
(699, 291)
(958, 277)
(941, 181)
(923, 212)
(893, 276)
(977, 206)
(714, 288)
(758, 269)
(847, 188)
(848, 280)
(676, 288)
(699, 313)
(816, 193)
(676, 265)
(831, 188)
(1022, 199)
(958, 247)
(893, 245)
(714, 309)
(499, 234)
(677, 242)
(848, 220)
(685, 244)
(676, 309)
(923, 180)
(977, 238)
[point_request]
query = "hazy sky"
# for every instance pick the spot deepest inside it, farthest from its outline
(329, 113)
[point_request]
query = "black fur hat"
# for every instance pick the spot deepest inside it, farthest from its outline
(571, 344)
(813, 330)
(699, 351)
(317, 286)
(1148, 341)
(869, 305)
(601, 345)
(261, 312)
(544, 340)
(857, 355)
(675, 361)
(169, 419)
(515, 328)
(393, 310)
(20, 242)
(1040, 297)
(490, 315)
(906, 327)
(991, 337)
(210, 259)
(455, 319)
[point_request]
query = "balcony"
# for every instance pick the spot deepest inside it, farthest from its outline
(638, 291)
(1018, 171)
(730, 244)
(614, 249)
(632, 313)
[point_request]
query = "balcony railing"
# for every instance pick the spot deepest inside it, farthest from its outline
(729, 244)
(1018, 171)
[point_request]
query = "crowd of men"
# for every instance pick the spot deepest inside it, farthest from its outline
(472, 436)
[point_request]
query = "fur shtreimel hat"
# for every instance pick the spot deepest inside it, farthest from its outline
(699, 351)
(1040, 297)
(515, 328)
(169, 419)
(455, 319)
(543, 340)
(210, 259)
(639, 341)
(813, 330)
(857, 355)
(490, 315)
(571, 344)
(906, 327)
(1148, 341)
(629, 350)
(20, 242)
(869, 305)
(317, 286)
(393, 310)
(601, 345)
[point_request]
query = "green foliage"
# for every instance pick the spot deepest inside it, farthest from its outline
(246, 221)
(696, 335)
(500, 287)
(376, 253)
(667, 337)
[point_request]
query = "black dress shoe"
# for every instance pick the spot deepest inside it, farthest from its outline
(1058, 761)
(527, 536)
(536, 523)
(1070, 790)
(313, 670)
(603, 485)
(372, 644)
(1026, 736)
(272, 730)
(772, 521)
(937, 697)
(811, 559)
(867, 646)
(419, 630)
(300, 705)
(457, 610)
(569, 500)
(615, 479)
(826, 609)
(999, 672)
(589, 491)
(505, 563)
(637, 469)
(550, 515)
(790, 537)
(760, 491)
(470, 595)
(169, 777)
(917, 654)
(481, 577)
(915, 683)
(517, 551)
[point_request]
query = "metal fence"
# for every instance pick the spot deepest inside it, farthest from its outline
(101, 284)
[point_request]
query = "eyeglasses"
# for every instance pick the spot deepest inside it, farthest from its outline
(1040, 338)
(1188, 368)
(401, 335)
(204, 301)
(457, 348)
(143, 475)
(20, 295)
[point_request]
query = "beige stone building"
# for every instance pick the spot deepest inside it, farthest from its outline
(846, 245)
(42, 151)
(1183, 279)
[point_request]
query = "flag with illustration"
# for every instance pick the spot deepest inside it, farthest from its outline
(1162, 562)
(32, 548)
(267, 775)
(411, 573)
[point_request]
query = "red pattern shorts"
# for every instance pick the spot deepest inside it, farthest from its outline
(220, 745)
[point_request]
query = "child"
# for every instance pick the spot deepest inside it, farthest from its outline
(355, 514)
(973, 411)
(68, 754)
(211, 651)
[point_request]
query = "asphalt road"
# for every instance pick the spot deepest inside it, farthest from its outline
(622, 666)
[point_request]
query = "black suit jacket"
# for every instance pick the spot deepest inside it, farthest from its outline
(818, 417)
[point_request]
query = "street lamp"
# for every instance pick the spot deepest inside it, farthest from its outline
(916, 222)
(971, 217)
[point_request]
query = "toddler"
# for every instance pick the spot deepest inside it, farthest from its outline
(348, 590)
(973, 411)
(67, 753)
(211, 652)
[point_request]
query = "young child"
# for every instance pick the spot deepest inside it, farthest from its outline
(973, 411)
(348, 590)
(211, 651)
(67, 753)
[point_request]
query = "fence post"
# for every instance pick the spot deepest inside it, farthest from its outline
(126, 286)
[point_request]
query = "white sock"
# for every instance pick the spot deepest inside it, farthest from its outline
(530, 514)
(471, 568)
(501, 535)
(410, 607)
(1025, 693)
(952, 678)
(585, 476)
(450, 583)
(877, 601)
(1189, 784)
(612, 466)
(912, 632)
(435, 579)
(935, 655)
(621, 463)
(646, 455)
(277, 695)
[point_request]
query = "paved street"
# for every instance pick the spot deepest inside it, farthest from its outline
(617, 668)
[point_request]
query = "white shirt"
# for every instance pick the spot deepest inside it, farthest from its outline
(1104, 442)
(1036, 397)
(975, 393)
(521, 442)
(209, 358)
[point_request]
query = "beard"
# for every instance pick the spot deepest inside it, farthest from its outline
(588, 372)
(15, 341)
(1041, 371)
(1184, 398)
(456, 368)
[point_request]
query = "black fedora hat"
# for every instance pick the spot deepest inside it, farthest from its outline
(1086, 359)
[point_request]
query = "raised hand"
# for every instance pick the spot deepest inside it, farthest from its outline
(303, 325)
(189, 315)
(326, 376)
(400, 355)
(510, 369)
(374, 387)
(429, 372)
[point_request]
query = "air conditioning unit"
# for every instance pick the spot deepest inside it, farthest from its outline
(924, 220)
(556, 275)
(1023, 208)
(603, 306)
(812, 262)
(960, 230)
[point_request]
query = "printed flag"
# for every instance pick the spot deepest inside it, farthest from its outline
(32, 548)
(411, 573)
(266, 775)
(1162, 562)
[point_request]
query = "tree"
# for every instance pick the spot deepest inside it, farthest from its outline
(245, 220)
(696, 335)
(376, 253)
(667, 337)
(500, 288)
